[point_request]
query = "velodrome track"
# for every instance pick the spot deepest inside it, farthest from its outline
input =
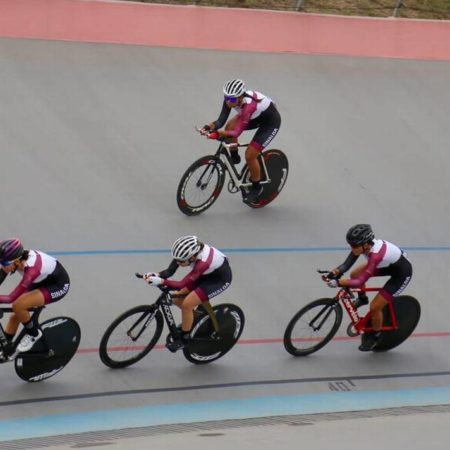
(95, 138)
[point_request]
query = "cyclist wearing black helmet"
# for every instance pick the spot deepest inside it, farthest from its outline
(44, 280)
(254, 111)
(383, 259)
(209, 276)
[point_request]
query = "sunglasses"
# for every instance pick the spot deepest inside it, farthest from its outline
(231, 99)
(5, 263)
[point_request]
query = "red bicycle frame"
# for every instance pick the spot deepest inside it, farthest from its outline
(360, 323)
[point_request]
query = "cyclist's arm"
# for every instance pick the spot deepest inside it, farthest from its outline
(349, 261)
(166, 273)
(369, 271)
(189, 280)
(22, 287)
(243, 120)
(220, 122)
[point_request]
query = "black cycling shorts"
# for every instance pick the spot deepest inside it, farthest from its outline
(268, 124)
(400, 273)
(214, 283)
(55, 286)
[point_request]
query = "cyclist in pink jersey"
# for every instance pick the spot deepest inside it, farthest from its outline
(44, 281)
(383, 259)
(253, 111)
(209, 276)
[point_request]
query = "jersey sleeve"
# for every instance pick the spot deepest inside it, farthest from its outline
(223, 116)
(166, 273)
(349, 261)
(243, 120)
(29, 276)
(189, 281)
(369, 271)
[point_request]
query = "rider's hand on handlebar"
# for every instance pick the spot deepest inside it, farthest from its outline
(332, 275)
(333, 283)
(205, 129)
(154, 280)
(148, 275)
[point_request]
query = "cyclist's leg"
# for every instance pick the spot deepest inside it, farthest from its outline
(21, 314)
(267, 130)
(231, 125)
(215, 283)
(376, 309)
(191, 301)
(400, 276)
(179, 301)
(362, 296)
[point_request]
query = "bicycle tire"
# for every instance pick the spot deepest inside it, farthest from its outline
(204, 348)
(139, 316)
(58, 345)
(292, 340)
(407, 311)
(201, 200)
(278, 169)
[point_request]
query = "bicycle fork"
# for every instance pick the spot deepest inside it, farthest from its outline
(327, 310)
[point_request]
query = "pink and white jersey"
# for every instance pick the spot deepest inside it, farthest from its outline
(38, 267)
(254, 103)
(207, 261)
(383, 253)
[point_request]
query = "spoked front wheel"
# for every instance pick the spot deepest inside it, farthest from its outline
(131, 336)
(313, 327)
(206, 345)
(200, 185)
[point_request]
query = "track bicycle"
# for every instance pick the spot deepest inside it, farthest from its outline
(135, 333)
(202, 183)
(50, 354)
(318, 322)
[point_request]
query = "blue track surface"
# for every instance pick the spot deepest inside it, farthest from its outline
(219, 410)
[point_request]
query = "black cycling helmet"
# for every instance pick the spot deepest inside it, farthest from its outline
(10, 249)
(360, 234)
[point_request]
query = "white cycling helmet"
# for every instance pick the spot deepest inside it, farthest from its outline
(185, 247)
(234, 88)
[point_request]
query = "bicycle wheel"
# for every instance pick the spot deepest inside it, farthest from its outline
(59, 343)
(131, 336)
(278, 169)
(313, 327)
(407, 311)
(206, 345)
(200, 185)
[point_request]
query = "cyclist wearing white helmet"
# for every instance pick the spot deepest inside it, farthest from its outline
(209, 276)
(383, 259)
(254, 111)
(44, 280)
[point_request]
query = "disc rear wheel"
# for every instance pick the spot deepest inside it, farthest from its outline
(206, 344)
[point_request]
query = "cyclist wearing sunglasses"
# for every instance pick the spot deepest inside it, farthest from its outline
(209, 276)
(254, 111)
(383, 259)
(44, 281)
